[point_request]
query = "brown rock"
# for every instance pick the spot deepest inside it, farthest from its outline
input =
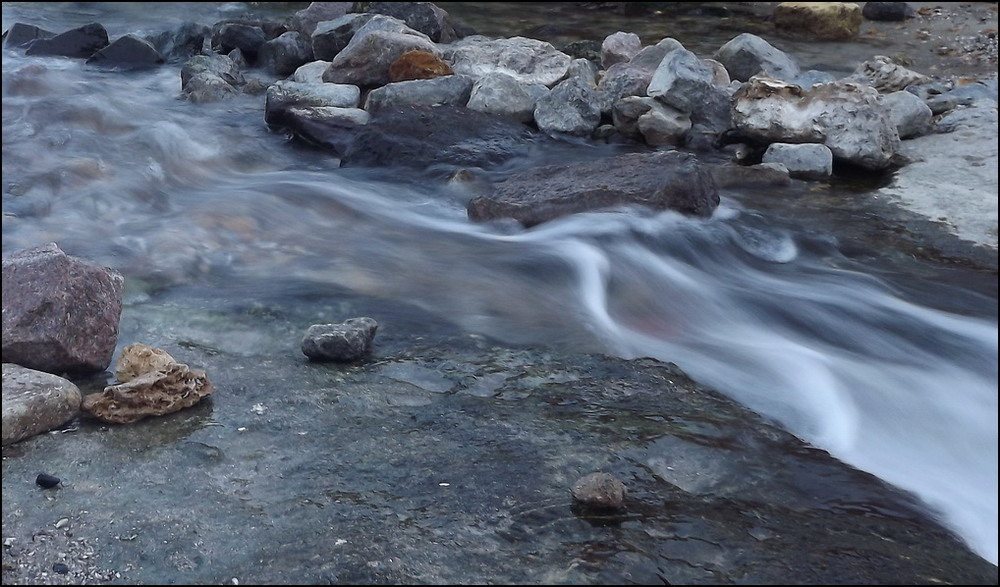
(822, 21)
(417, 64)
(60, 313)
(155, 393)
(601, 491)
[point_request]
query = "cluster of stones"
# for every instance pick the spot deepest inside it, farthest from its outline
(60, 320)
(398, 83)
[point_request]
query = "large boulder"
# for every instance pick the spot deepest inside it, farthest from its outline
(663, 180)
(60, 313)
(848, 118)
(424, 136)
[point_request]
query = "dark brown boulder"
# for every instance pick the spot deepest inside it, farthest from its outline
(663, 180)
(60, 313)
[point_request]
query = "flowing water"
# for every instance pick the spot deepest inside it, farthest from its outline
(796, 303)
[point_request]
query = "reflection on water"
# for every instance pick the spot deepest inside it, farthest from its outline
(116, 169)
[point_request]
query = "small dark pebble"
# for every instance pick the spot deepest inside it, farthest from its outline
(60, 568)
(47, 481)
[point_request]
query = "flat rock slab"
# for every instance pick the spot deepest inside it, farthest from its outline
(663, 180)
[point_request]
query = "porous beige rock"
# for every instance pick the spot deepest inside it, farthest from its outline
(138, 358)
(155, 393)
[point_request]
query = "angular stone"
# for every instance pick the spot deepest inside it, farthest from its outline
(127, 53)
(81, 42)
(154, 393)
(348, 341)
(35, 402)
(60, 313)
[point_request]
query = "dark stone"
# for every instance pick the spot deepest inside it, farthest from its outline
(421, 16)
(285, 53)
(421, 136)
(20, 35)
(659, 180)
(127, 52)
(181, 44)
(887, 11)
(80, 42)
(237, 35)
(47, 481)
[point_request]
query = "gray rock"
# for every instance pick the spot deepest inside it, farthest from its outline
(285, 53)
(35, 402)
(330, 37)
(619, 47)
(504, 95)
(348, 341)
(366, 59)
(284, 95)
(60, 313)
(308, 19)
(747, 55)
(529, 60)
(445, 90)
(911, 115)
(572, 107)
(803, 161)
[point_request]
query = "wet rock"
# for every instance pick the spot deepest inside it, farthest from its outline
(285, 95)
(417, 64)
(154, 393)
(60, 313)
(245, 36)
(81, 42)
(285, 53)
(599, 491)
(206, 78)
(127, 52)
(348, 341)
(188, 40)
(35, 402)
(887, 11)
(660, 180)
(422, 136)
(21, 35)
(572, 107)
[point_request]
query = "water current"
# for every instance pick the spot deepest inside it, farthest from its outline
(814, 319)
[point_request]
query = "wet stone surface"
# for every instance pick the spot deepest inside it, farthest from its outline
(444, 458)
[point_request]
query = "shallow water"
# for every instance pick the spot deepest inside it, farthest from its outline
(794, 302)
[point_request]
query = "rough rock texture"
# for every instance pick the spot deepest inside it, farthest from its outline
(417, 64)
(348, 341)
(661, 180)
(81, 42)
(60, 313)
(35, 402)
(138, 359)
(826, 21)
(155, 393)
(600, 491)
